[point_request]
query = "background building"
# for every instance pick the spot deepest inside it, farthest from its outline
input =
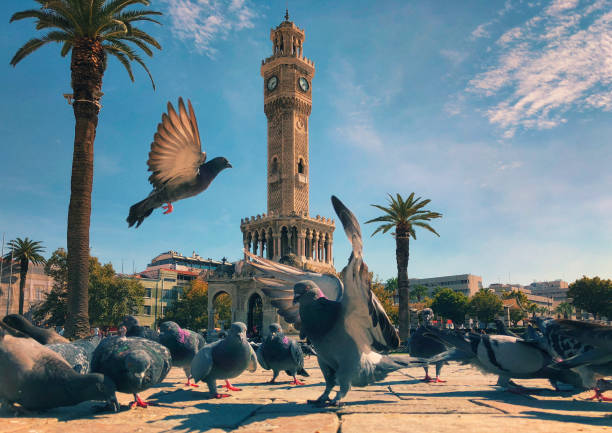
(467, 284)
(37, 285)
(551, 289)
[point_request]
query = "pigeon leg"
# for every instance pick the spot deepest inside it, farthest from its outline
(438, 370)
(296, 381)
(330, 381)
(344, 389)
(138, 402)
(229, 386)
(212, 388)
(427, 377)
(599, 395)
(168, 207)
(274, 377)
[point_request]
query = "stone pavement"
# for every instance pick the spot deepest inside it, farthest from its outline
(467, 402)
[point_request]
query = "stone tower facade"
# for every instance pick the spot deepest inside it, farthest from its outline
(288, 228)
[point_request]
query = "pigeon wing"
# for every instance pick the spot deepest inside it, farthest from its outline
(278, 281)
(176, 151)
(365, 318)
(202, 363)
(297, 354)
(252, 366)
(261, 358)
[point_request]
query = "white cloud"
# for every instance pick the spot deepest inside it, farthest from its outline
(205, 21)
(554, 63)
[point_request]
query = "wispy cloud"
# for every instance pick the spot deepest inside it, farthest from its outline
(203, 22)
(555, 62)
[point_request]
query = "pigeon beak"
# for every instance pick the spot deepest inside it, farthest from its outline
(229, 165)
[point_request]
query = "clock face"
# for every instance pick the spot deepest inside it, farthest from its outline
(303, 84)
(272, 82)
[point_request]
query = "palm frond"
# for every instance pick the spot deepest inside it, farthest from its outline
(66, 48)
(113, 7)
(34, 44)
(426, 226)
(122, 59)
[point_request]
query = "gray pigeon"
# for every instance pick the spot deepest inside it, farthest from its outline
(36, 377)
(583, 347)
(133, 329)
(133, 363)
(178, 164)
(43, 336)
(505, 356)
(183, 345)
(278, 352)
(424, 346)
(345, 323)
(224, 359)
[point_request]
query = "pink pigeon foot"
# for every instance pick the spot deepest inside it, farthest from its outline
(427, 378)
(229, 386)
(168, 207)
(191, 384)
(437, 380)
(222, 395)
(296, 381)
(138, 402)
(599, 396)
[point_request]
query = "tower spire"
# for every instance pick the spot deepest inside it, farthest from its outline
(287, 14)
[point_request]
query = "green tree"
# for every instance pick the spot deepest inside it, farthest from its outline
(418, 293)
(111, 297)
(191, 310)
(565, 309)
(222, 307)
(24, 251)
(404, 216)
(516, 315)
(91, 30)
(485, 305)
(385, 296)
(520, 297)
(450, 305)
(593, 295)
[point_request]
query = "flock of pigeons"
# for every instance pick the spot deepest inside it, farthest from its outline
(341, 317)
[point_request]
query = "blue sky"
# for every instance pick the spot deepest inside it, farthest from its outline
(499, 112)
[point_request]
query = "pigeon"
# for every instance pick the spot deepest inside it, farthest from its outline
(183, 345)
(37, 378)
(133, 329)
(43, 336)
(345, 322)
(422, 345)
(78, 353)
(583, 347)
(278, 353)
(177, 162)
(133, 363)
(506, 356)
(224, 359)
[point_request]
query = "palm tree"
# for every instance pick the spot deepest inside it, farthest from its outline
(91, 30)
(404, 216)
(566, 309)
(24, 251)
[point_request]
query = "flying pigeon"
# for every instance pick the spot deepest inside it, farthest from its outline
(505, 356)
(424, 346)
(133, 363)
(183, 345)
(345, 323)
(78, 353)
(36, 377)
(43, 336)
(224, 359)
(133, 329)
(582, 346)
(278, 353)
(178, 164)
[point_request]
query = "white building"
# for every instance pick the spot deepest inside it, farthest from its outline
(467, 284)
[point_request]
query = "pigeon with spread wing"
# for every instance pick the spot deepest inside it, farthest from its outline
(345, 322)
(177, 162)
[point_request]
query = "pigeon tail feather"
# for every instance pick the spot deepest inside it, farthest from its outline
(141, 210)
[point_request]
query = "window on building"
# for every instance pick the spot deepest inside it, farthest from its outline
(300, 166)
(274, 168)
(170, 279)
(147, 310)
(147, 293)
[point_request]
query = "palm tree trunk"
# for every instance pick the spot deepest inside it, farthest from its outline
(402, 251)
(23, 273)
(87, 66)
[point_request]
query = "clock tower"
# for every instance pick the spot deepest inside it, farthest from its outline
(288, 228)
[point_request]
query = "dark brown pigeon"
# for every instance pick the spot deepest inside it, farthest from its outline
(177, 162)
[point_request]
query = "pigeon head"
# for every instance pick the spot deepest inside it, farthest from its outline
(129, 322)
(216, 165)
(306, 291)
(238, 330)
(275, 328)
(136, 363)
(426, 315)
(169, 326)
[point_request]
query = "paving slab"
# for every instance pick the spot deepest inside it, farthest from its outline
(468, 401)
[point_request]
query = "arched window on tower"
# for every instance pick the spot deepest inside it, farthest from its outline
(300, 166)
(274, 167)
